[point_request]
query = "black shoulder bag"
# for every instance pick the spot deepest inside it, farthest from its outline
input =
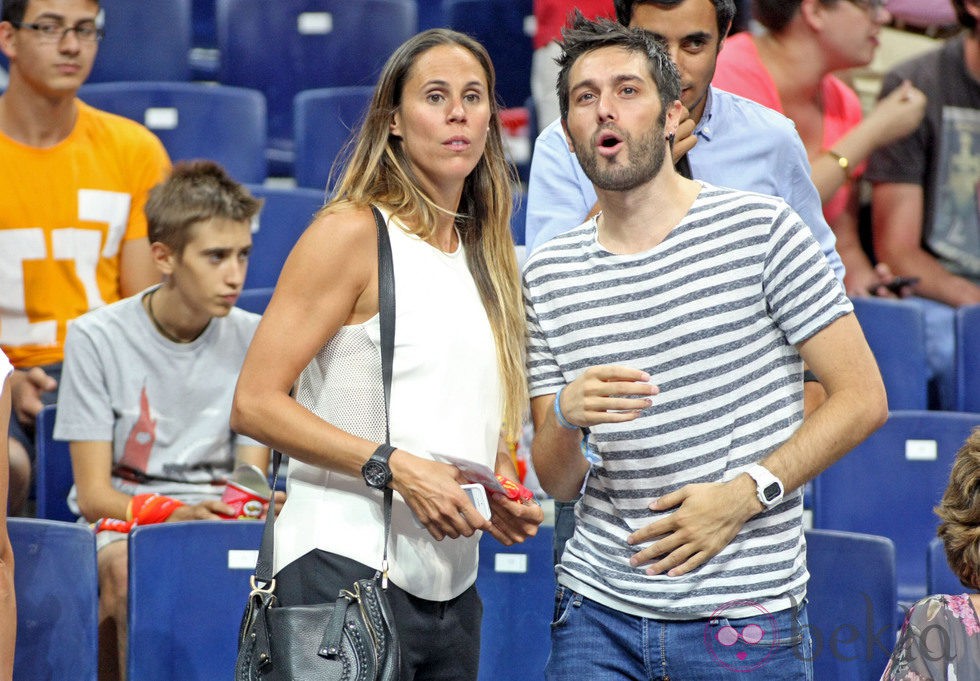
(352, 638)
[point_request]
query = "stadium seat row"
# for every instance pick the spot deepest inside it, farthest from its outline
(188, 583)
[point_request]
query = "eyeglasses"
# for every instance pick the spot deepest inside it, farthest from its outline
(872, 7)
(50, 31)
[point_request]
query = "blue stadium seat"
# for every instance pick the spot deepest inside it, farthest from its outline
(306, 44)
(851, 604)
(968, 358)
(284, 216)
(323, 121)
(144, 41)
(54, 477)
(194, 120)
(57, 587)
(889, 484)
(188, 584)
(255, 299)
(940, 578)
(504, 28)
(895, 331)
(517, 586)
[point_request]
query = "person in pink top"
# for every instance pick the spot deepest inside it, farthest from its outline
(549, 17)
(790, 67)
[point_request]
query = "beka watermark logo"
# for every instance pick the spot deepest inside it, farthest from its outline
(747, 642)
(745, 646)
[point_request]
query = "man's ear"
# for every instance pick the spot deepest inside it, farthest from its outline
(163, 257)
(7, 40)
(675, 114)
(812, 13)
(568, 138)
(721, 38)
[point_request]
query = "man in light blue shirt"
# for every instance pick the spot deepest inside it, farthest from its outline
(740, 144)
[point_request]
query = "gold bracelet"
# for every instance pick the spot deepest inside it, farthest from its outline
(842, 161)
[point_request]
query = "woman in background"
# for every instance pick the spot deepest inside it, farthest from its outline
(940, 640)
(790, 67)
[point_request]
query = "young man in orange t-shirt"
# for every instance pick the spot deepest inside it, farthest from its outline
(72, 230)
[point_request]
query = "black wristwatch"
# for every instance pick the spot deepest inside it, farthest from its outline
(376, 472)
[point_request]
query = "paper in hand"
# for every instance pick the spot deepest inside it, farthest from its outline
(473, 471)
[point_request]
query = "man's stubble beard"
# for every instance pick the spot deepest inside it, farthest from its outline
(645, 157)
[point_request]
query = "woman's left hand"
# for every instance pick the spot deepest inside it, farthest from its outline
(512, 521)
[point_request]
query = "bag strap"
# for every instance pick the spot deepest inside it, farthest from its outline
(386, 314)
(262, 580)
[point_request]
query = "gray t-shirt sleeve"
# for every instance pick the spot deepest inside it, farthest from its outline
(84, 410)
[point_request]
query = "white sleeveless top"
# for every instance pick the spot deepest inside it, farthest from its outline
(445, 398)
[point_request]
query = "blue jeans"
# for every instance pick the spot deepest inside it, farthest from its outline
(593, 642)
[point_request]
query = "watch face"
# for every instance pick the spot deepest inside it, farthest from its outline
(771, 491)
(376, 474)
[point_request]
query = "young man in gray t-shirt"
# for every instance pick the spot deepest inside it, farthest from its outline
(148, 381)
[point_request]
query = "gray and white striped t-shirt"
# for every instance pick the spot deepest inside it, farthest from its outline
(712, 313)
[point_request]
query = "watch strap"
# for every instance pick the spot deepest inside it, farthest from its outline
(383, 451)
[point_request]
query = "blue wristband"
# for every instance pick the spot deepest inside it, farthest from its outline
(562, 421)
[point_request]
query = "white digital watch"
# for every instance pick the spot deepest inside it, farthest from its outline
(768, 488)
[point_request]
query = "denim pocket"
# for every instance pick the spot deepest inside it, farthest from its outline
(565, 600)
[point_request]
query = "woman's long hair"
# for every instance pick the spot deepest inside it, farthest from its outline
(376, 170)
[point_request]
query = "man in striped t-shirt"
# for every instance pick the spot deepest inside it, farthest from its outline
(672, 328)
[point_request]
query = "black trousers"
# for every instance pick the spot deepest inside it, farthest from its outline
(440, 640)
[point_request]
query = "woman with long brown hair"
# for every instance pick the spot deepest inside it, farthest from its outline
(429, 156)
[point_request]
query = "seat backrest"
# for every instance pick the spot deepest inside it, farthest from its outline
(188, 585)
(255, 299)
(504, 27)
(194, 120)
(968, 358)
(307, 44)
(430, 14)
(895, 331)
(851, 599)
(889, 484)
(54, 477)
(144, 41)
(57, 588)
(517, 586)
(284, 215)
(940, 578)
(323, 120)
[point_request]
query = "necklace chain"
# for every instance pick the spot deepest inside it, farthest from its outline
(156, 322)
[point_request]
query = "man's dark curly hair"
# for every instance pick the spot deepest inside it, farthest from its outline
(583, 36)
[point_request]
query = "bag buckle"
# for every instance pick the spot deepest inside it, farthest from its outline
(256, 589)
